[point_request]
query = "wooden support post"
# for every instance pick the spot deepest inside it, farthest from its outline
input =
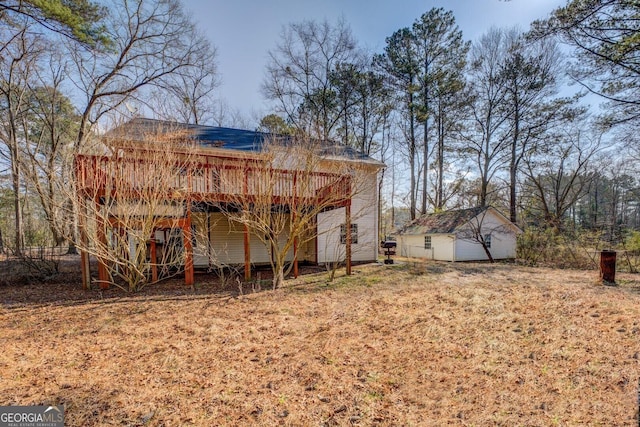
(154, 258)
(293, 219)
(103, 275)
(295, 246)
(247, 241)
(84, 265)
(247, 254)
(348, 237)
(188, 249)
(84, 243)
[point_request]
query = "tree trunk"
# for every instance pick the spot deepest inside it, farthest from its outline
(440, 184)
(513, 167)
(412, 159)
(278, 276)
(17, 206)
(482, 201)
(425, 171)
(487, 251)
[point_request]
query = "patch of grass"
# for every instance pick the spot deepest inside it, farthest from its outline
(462, 344)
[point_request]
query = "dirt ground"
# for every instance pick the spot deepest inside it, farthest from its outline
(413, 344)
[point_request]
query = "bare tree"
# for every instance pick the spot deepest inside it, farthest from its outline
(531, 70)
(299, 73)
(18, 60)
(187, 95)
(484, 138)
(152, 40)
(559, 173)
(127, 192)
(287, 187)
(47, 152)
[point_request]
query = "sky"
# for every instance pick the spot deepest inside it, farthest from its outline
(243, 31)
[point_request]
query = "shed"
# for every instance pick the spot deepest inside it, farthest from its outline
(474, 234)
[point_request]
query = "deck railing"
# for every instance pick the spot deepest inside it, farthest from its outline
(213, 180)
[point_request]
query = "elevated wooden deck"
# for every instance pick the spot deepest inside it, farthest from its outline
(131, 175)
(217, 179)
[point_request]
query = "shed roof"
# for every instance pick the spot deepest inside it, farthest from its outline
(442, 222)
(139, 129)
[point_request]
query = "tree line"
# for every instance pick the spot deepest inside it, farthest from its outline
(459, 123)
(477, 123)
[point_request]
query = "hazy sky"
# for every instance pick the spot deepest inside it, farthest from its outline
(245, 30)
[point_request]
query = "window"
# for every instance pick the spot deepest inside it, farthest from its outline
(427, 242)
(487, 240)
(354, 234)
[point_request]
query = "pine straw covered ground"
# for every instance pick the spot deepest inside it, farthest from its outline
(441, 344)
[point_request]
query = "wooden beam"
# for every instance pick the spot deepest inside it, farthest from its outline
(103, 274)
(292, 220)
(84, 265)
(84, 242)
(247, 254)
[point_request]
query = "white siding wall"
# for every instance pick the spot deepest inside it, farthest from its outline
(227, 242)
(259, 252)
(503, 242)
(503, 246)
(412, 246)
(364, 212)
(200, 251)
(442, 246)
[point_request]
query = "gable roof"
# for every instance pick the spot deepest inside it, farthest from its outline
(449, 221)
(139, 129)
(441, 222)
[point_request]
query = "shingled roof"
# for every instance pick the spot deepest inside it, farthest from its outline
(139, 129)
(441, 223)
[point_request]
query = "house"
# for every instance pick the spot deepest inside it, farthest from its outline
(459, 235)
(225, 170)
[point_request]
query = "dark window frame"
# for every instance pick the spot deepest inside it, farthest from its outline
(354, 234)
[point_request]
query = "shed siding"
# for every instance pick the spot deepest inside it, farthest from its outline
(412, 246)
(502, 247)
(503, 244)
